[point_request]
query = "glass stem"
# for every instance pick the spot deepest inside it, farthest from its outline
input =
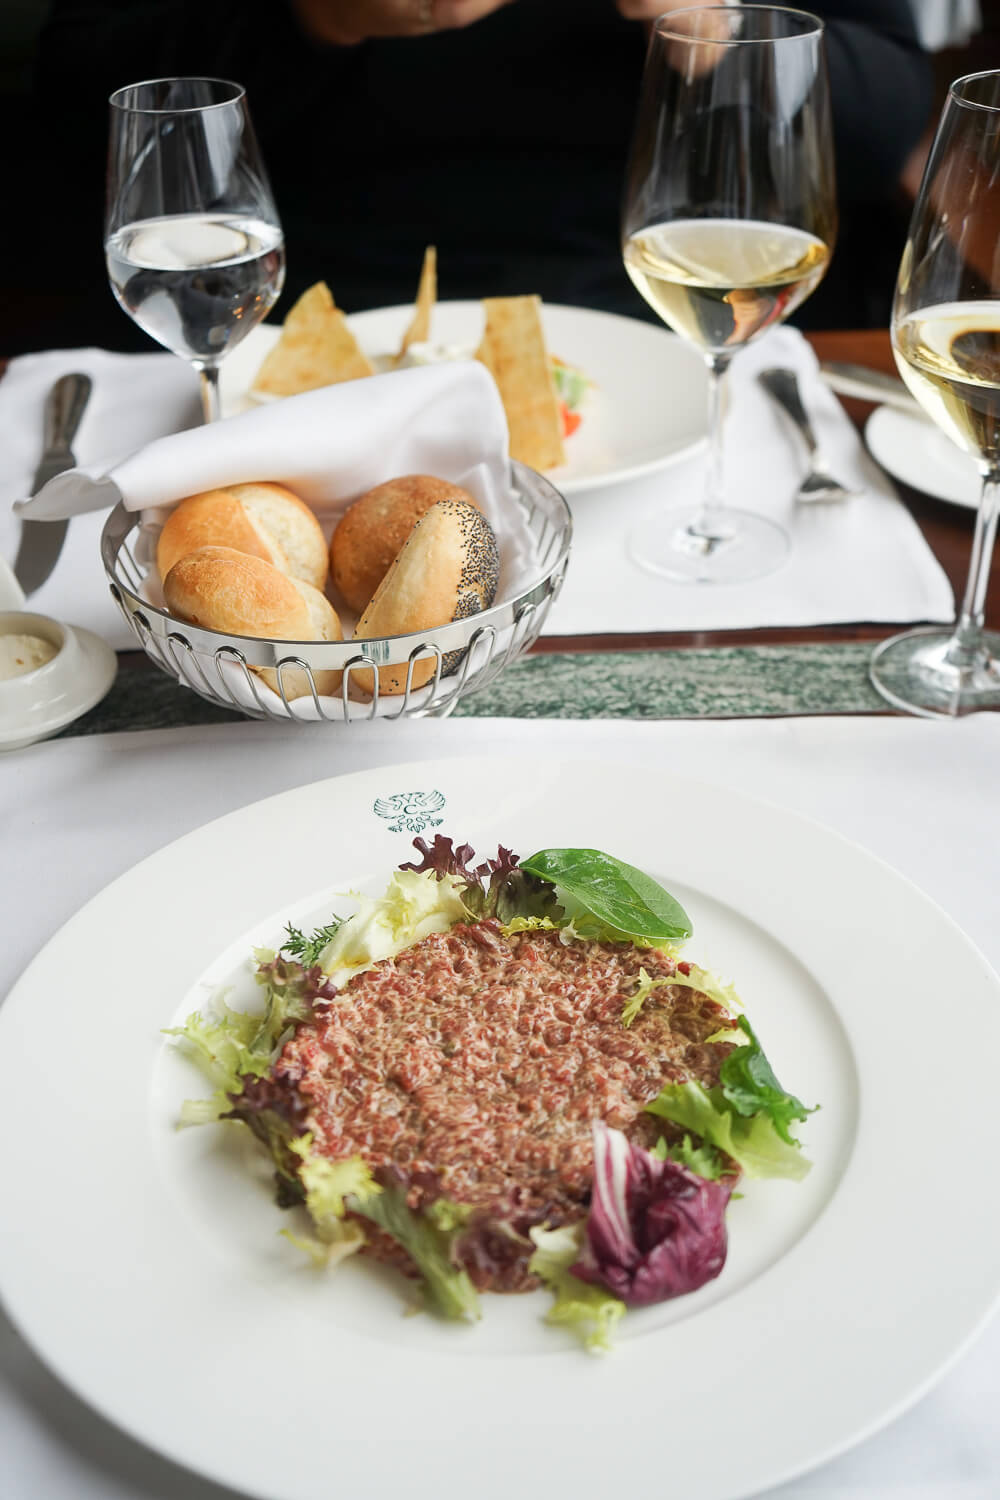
(709, 523)
(210, 402)
(965, 648)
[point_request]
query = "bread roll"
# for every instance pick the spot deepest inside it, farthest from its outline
(447, 570)
(228, 591)
(371, 532)
(263, 520)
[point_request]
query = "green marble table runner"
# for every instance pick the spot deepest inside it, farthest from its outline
(719, 682)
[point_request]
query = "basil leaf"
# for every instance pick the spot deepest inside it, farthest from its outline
(617, 894)
(749, 1085)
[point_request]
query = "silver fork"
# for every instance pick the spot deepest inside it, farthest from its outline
(818, 484)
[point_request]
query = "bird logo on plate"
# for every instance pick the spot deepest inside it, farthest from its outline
(411, 812)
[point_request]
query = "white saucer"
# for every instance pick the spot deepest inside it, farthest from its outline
(911, 449)
(42, 702)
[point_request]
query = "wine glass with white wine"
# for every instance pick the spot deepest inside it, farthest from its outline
(729, 222)
(946, 339)
(193, 241)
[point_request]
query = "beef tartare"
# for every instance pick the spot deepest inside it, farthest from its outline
(506, 1075)
(472, 1066)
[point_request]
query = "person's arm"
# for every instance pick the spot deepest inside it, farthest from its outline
(345, 23)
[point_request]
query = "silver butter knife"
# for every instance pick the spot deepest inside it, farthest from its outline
(868, 385)
(41, 541)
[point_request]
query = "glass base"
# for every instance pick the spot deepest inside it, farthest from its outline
(917, 672)
(740, 546)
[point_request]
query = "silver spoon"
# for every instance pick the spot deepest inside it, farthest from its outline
(818, 484)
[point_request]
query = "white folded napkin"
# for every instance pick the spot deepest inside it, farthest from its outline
(328, 445)
(860, 559)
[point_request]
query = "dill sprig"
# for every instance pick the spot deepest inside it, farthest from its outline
(308, 949)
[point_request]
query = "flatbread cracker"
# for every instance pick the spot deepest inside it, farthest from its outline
(513, 350)
(419, 330)
(316, 348)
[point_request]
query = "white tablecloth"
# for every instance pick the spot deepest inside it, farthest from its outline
(77, 813)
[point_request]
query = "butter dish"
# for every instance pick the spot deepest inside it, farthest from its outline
(50, 674)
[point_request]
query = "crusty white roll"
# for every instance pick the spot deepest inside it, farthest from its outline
(371, 531)
(222, 589)
(447, 570)
(263, 520)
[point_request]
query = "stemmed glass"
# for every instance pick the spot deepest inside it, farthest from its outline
(729, 222)
(946, 339)
(192, 238)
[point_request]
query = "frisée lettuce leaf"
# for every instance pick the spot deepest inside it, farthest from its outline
(326, 1185)
(751, 1141)
(590, 1312)
(231, 1045)
(447, 1289)
(696, 978)
(647, 984)
(703, 1159)
(415, 905)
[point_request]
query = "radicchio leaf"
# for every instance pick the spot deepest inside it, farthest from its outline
(655, 1229)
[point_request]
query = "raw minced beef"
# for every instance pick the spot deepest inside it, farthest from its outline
(472, 1065)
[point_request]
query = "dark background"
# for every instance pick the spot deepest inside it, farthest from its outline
(42, 293)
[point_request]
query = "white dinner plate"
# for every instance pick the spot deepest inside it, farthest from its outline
(146, 1267)
(647, 408)
(912, 449)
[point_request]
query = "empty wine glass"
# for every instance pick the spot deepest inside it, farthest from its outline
(192, 238)
(946, 339)
(729, 222)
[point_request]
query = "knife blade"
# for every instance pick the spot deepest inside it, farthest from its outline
(41, 541)
(868, 385)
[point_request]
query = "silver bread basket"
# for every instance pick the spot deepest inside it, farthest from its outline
(466, 655)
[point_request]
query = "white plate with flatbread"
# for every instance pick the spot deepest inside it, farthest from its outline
(646, 409)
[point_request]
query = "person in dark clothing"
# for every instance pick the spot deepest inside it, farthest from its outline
(495, 129)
